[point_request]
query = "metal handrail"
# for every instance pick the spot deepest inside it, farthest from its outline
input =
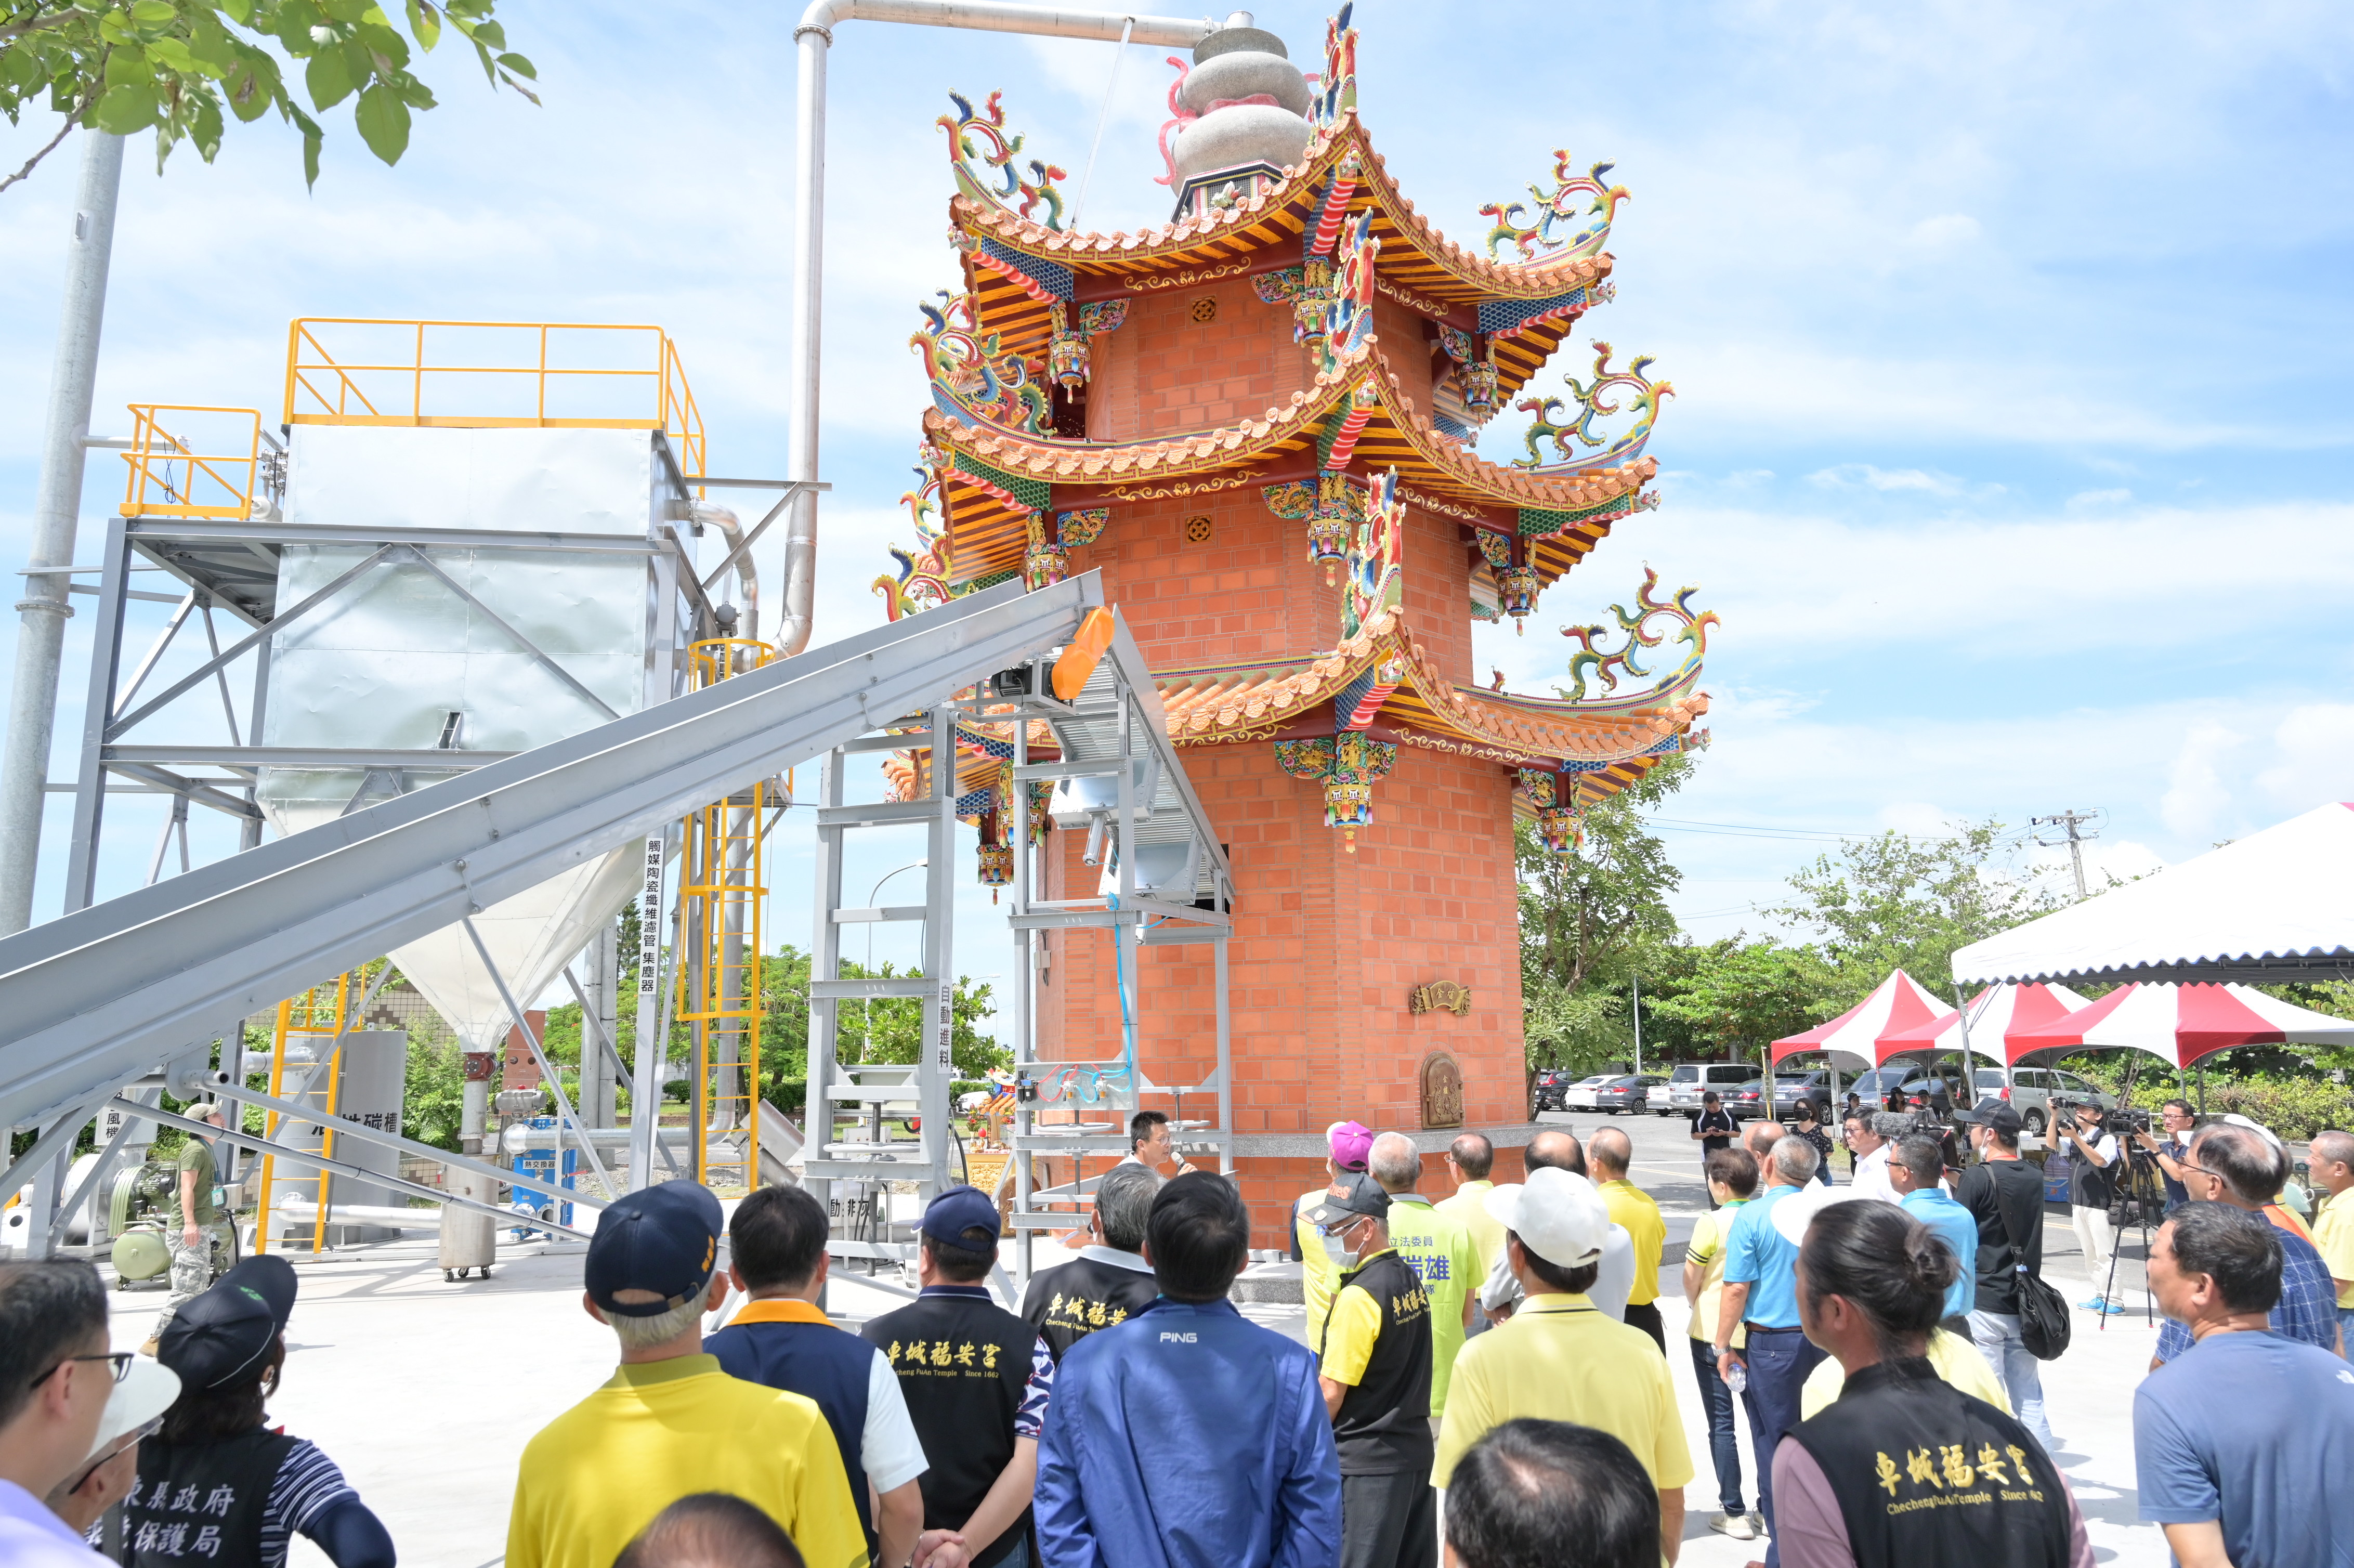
(155, 453)
(323, 390)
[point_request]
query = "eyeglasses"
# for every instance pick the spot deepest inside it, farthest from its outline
(122, 1359)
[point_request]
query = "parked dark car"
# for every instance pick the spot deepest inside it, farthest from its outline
(1745, 1102)
(1625, 1094)
(1550, 1084)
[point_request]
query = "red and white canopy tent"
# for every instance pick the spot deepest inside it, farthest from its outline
(2180, 1024)
(2000, 1019)
(2275, 907)
(1857, 1038)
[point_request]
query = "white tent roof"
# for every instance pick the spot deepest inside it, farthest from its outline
(2278, 905)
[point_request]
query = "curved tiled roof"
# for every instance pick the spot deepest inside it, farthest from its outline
(1208, 705)
(1288, 427)
(1281, 212)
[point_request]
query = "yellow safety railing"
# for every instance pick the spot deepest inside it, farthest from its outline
(317, 1013)
(170, 478)
(362, 370)
(723, 887)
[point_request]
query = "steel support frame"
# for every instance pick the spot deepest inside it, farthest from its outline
(1141, 734)
(831, 1082)
(108, 715)
(103, 994)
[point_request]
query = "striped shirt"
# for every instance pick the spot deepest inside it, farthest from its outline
(2308, 1301)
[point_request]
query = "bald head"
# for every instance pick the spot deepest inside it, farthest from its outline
(1394, 1162)
(1611, 1151)
(1555, 1149)
(1761, 1137)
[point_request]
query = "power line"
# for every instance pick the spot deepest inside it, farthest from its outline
(2072, 820)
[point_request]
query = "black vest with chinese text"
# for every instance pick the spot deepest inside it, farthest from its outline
(202, 1503)
(1384, 1424)
(963, 1363)
(1068, 1303)
(1928, 1478)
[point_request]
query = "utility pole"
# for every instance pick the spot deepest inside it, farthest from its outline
(1637, 981)
(42, 612)
(2072, 820)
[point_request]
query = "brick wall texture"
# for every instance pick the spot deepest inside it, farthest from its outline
(1326, 943)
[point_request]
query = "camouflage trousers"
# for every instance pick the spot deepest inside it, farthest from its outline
(194, 1269)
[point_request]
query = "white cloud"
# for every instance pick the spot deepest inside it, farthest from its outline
(2098, 500)
(2313, 748)
(1851, 475)
(2197, 799)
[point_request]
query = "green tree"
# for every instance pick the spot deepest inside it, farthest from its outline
(1589, 922)
(1891, 902)
(1737, 995)
(173, 65)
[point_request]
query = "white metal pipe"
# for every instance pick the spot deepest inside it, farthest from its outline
(812, 39)
(40, 637)
(748, 577)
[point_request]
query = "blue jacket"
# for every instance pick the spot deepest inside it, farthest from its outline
(1188, 1437)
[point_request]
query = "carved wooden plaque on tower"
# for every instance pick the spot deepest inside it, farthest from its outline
(1442, 1091)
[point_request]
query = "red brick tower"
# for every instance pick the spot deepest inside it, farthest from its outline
(1256, 422)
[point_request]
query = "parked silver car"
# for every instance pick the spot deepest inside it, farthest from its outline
(1624, 1094)
(1687, 1081)
(2032, 1090)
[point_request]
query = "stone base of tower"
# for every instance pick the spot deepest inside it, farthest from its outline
(1329, 946)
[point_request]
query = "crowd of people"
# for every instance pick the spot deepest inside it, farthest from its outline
(1484, 1379)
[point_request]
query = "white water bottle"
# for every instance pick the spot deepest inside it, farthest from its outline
(1737, 1379)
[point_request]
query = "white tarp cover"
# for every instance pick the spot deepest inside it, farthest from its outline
(2285, 893)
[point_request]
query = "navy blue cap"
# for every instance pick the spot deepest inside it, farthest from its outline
(222, 1335)
(1355, 1197)
(664, 1239)
(959, 1210)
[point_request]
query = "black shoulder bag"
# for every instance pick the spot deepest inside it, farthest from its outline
(2044, 1323)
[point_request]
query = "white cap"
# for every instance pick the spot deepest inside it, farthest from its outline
(146, 1391)
(1556, 1214)
(2232, 1119)
(1792, 1215)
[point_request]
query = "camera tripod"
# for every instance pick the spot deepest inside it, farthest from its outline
(2139, 1195)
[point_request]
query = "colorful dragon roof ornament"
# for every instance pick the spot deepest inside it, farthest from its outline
(1010, 485)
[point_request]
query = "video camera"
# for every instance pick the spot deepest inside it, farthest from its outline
(2120, 1123)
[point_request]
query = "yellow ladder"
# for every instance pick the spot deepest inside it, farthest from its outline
(315, 1013)
(723, 887)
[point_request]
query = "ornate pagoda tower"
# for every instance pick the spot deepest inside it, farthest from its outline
(1257, 421)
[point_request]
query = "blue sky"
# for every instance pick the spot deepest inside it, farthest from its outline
(2012, 434)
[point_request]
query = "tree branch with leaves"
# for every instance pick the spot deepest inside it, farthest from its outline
(174, 66)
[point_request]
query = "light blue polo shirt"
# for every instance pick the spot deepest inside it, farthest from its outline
(1959, 1229)
(1757, 1255)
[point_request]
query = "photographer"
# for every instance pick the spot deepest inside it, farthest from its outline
(2173, 1151)
(2092, 1188)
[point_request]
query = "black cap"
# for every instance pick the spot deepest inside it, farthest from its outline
(1357, 1197)
(222, 1335)
(664, 1239)
(1994, 1115)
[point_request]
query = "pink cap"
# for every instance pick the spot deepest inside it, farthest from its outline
(1351, 1143)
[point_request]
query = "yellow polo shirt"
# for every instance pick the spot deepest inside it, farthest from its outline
(660, 1431)
(1447, 1261)
(1320, 1275)
(2333, 1233)
(1559, 1358)
(1955, 1360)
(1635, 1209)
(1469, 1205)
(1707, 1249)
